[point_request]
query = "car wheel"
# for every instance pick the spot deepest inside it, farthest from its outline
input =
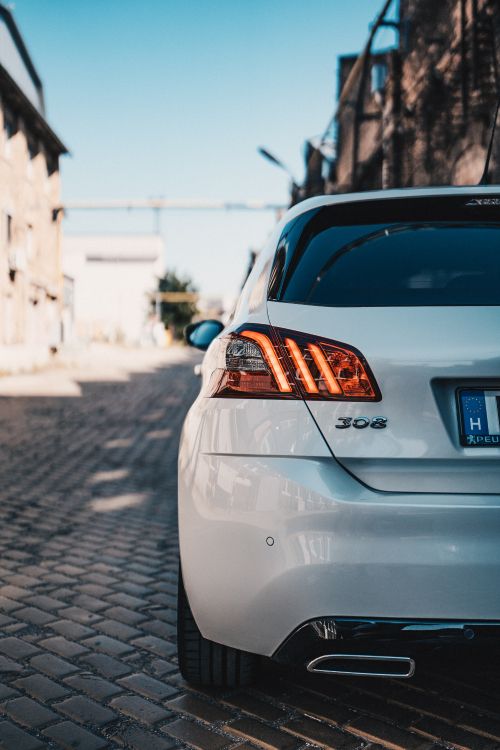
(204, 662)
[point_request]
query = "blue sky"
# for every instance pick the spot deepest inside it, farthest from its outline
(172, 97)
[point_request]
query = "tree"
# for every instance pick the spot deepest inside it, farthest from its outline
(177, 315)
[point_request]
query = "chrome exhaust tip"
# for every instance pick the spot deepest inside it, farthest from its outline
(362, 665)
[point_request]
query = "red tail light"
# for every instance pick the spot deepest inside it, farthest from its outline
(265, 362)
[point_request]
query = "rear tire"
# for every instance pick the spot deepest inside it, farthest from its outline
(203, 662)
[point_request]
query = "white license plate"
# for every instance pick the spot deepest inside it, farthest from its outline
(479, 417)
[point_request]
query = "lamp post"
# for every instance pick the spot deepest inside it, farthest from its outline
(294, 187)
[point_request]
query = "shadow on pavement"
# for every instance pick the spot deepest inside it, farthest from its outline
(88, 570)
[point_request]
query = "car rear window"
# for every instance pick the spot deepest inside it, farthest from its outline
(397, 256)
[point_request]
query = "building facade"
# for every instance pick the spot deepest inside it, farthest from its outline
(115, 278)
(420, 113)
(31, 280)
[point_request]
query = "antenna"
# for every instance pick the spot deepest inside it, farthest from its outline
(484, 177)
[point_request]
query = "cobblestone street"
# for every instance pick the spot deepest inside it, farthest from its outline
(88, 571)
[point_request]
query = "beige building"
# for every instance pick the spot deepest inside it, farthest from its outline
(31, 281)
(115, 278)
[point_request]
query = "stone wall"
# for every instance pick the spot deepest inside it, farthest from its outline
(30, 248)
(429, 123)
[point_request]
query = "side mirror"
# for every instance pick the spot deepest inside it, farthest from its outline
(203, 333)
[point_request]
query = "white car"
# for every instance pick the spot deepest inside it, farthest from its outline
(339, 473)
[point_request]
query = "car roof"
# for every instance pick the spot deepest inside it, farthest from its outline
(408, 193)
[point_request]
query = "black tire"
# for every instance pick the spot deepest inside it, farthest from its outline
(204, 662)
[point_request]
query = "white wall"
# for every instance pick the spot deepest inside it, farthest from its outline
(113, 275)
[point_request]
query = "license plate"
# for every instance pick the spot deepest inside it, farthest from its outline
(479, 417)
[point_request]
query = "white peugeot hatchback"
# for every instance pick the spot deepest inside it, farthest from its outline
(339, 473)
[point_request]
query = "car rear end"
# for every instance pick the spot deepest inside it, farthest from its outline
(340, 472)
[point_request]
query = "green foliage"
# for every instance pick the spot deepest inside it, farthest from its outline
(176, 315)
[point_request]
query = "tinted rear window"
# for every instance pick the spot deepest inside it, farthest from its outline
(414, 257)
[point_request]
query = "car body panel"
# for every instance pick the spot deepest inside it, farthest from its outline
(419, 357)
(280, 524)
(272, 428)
(338, 549)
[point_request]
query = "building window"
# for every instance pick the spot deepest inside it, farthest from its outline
(33, 150)
(378, 77)
(29, 242)
(8, 229)
(9, 129)
(8, 235)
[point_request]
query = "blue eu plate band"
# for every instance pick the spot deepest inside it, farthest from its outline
(480, 417)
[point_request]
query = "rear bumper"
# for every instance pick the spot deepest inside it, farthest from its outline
(270, 542)
(404, 638)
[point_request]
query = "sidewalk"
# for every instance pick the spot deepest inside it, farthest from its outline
(62, 376)
(19, 358)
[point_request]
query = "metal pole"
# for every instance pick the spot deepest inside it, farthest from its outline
(170, 205)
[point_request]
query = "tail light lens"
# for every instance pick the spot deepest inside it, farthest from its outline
(266, 362)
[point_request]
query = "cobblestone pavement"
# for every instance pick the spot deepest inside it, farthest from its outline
(88, 567)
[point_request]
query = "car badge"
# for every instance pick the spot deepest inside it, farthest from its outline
(484, 202)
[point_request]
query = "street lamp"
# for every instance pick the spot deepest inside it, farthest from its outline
(278, 163)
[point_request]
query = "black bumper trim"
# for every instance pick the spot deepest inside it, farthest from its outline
(345, 635)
